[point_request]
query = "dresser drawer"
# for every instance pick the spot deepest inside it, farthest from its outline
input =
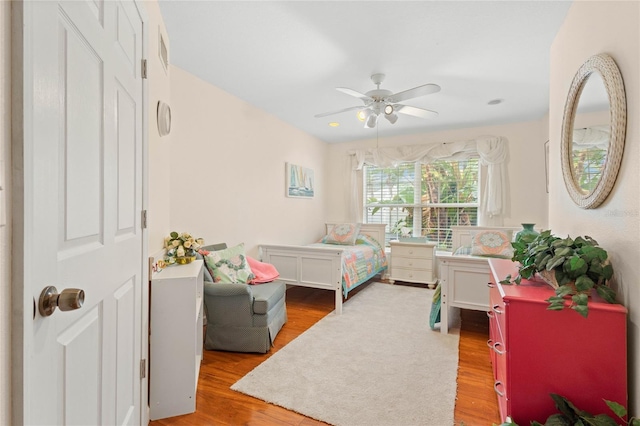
(411, 262)
(401, 274)
(414, 250)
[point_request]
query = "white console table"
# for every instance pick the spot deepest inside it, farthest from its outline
(176, 310)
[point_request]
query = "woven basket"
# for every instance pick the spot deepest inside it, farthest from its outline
(549, 277)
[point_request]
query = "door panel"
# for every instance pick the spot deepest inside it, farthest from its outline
(80, 348)
(81, 109)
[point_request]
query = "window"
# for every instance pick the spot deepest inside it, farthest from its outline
(423, 199)
(588, 165)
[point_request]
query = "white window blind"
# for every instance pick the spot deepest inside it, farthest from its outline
(423, 199)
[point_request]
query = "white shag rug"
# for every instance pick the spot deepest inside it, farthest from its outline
(378, 363)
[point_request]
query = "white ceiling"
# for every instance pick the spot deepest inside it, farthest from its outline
(287, 57)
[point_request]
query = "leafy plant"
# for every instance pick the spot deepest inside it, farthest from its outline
(573, 267)
(570, 415)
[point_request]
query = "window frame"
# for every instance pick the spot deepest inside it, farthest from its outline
(417, 214)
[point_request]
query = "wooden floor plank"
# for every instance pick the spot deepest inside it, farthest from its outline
(476, 402)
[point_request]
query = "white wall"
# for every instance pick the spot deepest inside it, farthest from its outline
(5, 212)
(227, 170)
(525, 168)
(159, 147)
(590, 28)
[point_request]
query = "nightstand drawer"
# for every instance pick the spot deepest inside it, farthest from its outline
(412, 251)
(410, 262)
(400, 274)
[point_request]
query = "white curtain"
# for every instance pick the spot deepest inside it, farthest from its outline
(492, 150)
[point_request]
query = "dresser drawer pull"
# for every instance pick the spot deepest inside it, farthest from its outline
(495, 388)
(490, 314)
(495, 348)
(490, 343)
(491, 285)
(496, 310)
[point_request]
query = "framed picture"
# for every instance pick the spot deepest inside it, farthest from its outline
(300, 181)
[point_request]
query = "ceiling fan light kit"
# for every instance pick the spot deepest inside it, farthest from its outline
(379, 101)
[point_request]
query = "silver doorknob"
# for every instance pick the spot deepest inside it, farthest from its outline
(68, 300)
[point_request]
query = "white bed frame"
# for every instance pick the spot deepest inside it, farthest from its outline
(317, 267)
(463, 279)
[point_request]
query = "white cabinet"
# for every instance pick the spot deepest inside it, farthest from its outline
(413, 262)
(175, 339)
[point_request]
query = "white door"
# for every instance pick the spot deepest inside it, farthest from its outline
(83, 184)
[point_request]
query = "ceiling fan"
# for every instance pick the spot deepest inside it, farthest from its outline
(379, 101)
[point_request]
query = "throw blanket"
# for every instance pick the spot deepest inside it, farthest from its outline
(360, 263)
(264, 272)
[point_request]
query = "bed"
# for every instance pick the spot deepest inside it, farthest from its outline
(339, 268)
(464, 278)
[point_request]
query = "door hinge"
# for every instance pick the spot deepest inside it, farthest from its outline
(144, 68)
(143, 368)
(144, 219)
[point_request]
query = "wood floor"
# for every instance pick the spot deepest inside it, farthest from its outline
(476, 403)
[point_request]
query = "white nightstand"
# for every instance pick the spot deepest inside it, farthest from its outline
(413, 262)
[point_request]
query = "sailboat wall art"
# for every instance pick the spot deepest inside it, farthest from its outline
(300, 181)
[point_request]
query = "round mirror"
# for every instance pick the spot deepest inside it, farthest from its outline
(593, 131)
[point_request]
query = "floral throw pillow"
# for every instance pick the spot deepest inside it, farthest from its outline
(343, 233)
(229, 265)
(492, 244)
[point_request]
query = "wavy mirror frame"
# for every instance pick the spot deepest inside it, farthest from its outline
(612, 79)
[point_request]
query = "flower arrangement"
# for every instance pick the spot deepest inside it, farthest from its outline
(181, 248)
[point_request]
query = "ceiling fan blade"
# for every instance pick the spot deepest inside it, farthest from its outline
(324, 114)
(423, 90)
(415, 111)
(353, 93)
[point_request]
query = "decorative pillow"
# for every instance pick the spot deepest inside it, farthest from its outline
(229, 265)
(462, 251)
(491, 244)
(343, 233)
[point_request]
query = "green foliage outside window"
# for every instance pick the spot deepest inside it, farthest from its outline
(448, 196)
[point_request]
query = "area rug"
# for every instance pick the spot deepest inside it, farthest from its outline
(378, 363)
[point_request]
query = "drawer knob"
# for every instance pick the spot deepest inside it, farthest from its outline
(495, 348)
(496, 385)
(496, 309)
(491, 285)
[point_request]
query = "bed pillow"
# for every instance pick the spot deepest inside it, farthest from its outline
(229, 265)
(492, 243)
(462, 251)
(264, 272)
(343, 234)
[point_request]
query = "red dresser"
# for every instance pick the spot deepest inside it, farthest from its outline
(536, 352)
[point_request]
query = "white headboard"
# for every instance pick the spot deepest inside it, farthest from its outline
(462, 234)
(375, 230)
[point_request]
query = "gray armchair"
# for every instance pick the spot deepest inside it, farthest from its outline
(241, 317)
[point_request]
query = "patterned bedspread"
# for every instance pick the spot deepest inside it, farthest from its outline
(360, 262)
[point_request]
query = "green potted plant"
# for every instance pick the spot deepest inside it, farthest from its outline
(571, 415)
(573, 267)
